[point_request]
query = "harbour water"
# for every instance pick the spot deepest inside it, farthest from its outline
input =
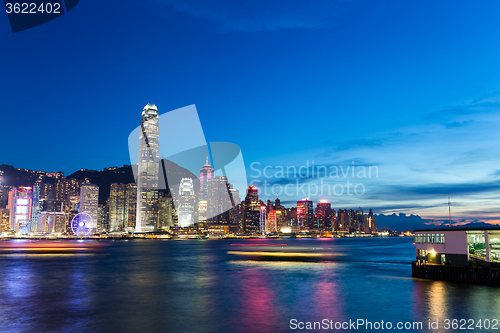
(197, 286)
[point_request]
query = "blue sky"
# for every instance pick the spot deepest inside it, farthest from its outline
(411, 87)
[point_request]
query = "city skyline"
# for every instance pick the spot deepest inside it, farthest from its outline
(384, 85)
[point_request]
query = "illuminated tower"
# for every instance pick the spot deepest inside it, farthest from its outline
(323, 215)
(117, 208)
(89, 197)
(305, 213)
(219, 200)
(35, 207)
(206, 175)
(131, 207)
(263, 225)
(251, 214)
(148, 169)
(186, 203)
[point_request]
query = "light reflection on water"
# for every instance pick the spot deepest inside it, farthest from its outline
(196, 286)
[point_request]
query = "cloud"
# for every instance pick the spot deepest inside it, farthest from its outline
(260, 15)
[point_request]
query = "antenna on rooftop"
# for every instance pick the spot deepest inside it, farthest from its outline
(449, 208)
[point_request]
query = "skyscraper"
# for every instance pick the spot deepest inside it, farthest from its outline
(186, 203)
(148, 169)
(305, 213)
(251, 211)
(219, 200)
(323, 215)
(206, 175)
(131, 207)
(117, 207)
(89, 197)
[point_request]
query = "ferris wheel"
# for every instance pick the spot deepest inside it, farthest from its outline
(82, 224)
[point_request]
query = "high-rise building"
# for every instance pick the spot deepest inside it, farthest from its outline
(273, 220)
(186, 206)
(251, 211)
(148, 170)
(262, 219)
(165, 212)
(131, 207)
(103, 218)
(219, 200)
(305, 213)
(323, 215)
(4, 220)
(89, 200)
(118, 217)
(206, 175)
(20, 206)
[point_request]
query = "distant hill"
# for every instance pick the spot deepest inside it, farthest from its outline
(105, 178)
(21, 177)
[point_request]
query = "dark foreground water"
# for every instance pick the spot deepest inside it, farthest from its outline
(196, 286)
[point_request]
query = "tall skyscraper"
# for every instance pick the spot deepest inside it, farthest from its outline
(206, 175)
(251, 211)
(165, 212)
(117, 207)
(131, 207)
(305, 213)
(89, 198)
(323, 215)
(148, 170)
(186, 207)
(219, 200)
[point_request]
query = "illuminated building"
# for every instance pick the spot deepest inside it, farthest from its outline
(148, 169)
(202, 210)
(206, 175)
(20, 206)
(263, 225)
(52, 222)
(251, 214)
(35, 207)
(186, 203)
(219, 200)
(165, 212)
(272, 220)
(323, 215)
(60, 191)
(370, 226)
(89, 197)
(131, 207)
(103, 218)
(118, 216)
(4, 220)
(305, 213)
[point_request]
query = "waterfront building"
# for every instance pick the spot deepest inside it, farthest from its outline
(89, 197)
(305, 213)
(52, 223)
(323, 215)
(186, 206)
(251, 211)
(206, 175)
(262, 219)
(165, 220)
(272, 221)
(466, 254)
(130, 207)
(20, 209)
(4, 220)
(118, 215)
(103, 217)
(148, 170)
(219, 200)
